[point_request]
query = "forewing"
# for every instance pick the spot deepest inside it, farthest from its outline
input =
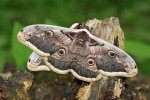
(43, 39)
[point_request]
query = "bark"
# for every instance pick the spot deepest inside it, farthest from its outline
(108, 87)
(18, 86)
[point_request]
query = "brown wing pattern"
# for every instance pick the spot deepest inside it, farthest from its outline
(77, 51)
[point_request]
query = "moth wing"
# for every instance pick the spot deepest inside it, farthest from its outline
(49, 42)
(44, 39)
(78, 70)
(111, 60)
(75, 25)
(36, 63)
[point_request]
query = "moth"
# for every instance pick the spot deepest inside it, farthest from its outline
(74, 50)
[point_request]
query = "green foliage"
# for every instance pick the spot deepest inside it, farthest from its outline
(3, 53)
(20, 52)
(144, 66)
(137, 48)
(141, 53)
(47, 21)
(133, 15)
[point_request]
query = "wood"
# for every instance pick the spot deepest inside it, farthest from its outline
(17, 87)
(108, 87)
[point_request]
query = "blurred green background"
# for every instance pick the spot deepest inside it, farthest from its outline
(134, 18)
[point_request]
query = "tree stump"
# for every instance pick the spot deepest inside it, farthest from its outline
(108, 87)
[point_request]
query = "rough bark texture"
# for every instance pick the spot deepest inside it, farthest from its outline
(108, 87)
(17, 87)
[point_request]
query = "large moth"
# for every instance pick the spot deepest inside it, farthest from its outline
(65, 50)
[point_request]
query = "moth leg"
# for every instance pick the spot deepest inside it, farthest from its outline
(36, 63)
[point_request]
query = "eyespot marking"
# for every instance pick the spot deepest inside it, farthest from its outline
(62, 51)
(49, 33)
(111, 53)
(90, 61)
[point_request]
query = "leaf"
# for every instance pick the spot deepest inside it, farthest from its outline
(137, 48)
(19, 51)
